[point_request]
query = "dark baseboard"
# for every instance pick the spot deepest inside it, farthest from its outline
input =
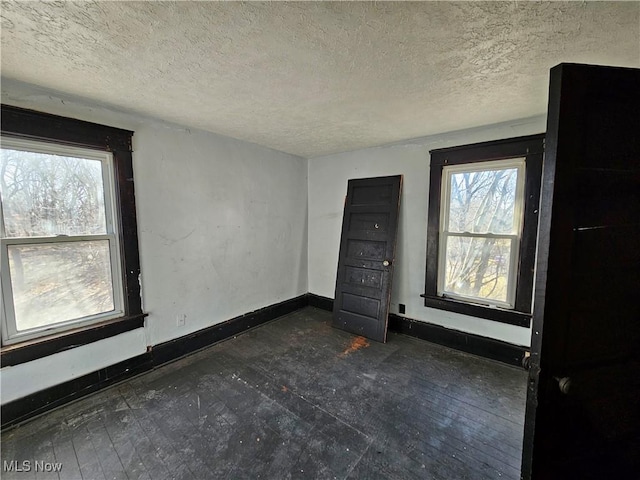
(467, 342)
(174, 349)
(18, 411)
(32, 405)
(323, 303)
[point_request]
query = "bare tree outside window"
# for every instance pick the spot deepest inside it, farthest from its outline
(480, 230)
(55, 224)
(482, 226)
(49, 195)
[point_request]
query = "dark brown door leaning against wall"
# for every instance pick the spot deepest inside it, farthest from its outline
(365, 263)
(583, 399)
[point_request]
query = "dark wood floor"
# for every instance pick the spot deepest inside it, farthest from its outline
(292, 399)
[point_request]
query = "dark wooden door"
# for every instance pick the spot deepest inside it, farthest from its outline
(583, 401)
(365, 263)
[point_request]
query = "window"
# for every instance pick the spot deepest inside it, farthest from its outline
(60, 254)
(480, 230)
(481, 237)
(69, 261)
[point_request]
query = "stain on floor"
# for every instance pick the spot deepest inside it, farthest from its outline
(262, 406)
(356, 344)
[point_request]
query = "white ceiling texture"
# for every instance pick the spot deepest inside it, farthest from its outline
(312, 78)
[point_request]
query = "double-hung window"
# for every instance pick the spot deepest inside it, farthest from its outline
(480, 231)
(69, 261)
(60, 251)
(481, 241)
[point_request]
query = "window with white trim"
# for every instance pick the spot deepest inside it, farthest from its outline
(60, 253)
(480, 231)
(69, 259)
(482, 227)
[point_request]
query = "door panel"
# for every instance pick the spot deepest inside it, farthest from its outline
(360, 305)
(363, 277)
(366, 249)
(369, 222)
(371, 194)
(365, 264)
(583, 414)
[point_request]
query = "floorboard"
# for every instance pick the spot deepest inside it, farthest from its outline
(294, 398)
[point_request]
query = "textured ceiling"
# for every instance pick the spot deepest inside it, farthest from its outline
(314, 78)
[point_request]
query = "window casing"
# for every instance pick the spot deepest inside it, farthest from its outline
(481, 237)
(103, 246)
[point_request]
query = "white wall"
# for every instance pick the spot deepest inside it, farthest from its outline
(328, 178)
(222, 231)
(222, 228)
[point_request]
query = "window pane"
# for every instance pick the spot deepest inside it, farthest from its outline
(54, 283)
(48, 195)
(477, 267)
(483, 202)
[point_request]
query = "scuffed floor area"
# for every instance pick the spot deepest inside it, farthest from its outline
(294, 398)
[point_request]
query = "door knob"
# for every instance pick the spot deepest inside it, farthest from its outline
(564, 384)
(385, 263)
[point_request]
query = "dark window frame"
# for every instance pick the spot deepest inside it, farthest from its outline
(532, 148)
(29, 124)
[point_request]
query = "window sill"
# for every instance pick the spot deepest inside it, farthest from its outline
(501, 315)
(44, 346)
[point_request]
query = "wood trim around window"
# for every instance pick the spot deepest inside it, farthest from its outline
(532, 148)
(29, 124)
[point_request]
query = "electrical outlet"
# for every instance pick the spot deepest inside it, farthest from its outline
(181, 318)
